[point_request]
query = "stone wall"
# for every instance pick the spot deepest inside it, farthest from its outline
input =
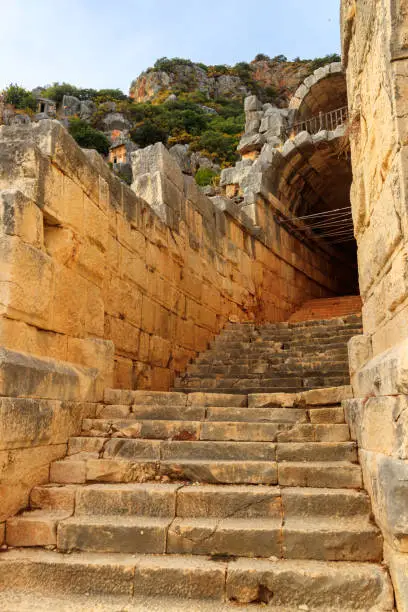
(99, 287)
(375, 55)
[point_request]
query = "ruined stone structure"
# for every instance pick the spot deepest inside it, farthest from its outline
(152, 338)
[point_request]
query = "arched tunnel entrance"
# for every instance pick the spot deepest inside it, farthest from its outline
(315, 186)
(316, 183)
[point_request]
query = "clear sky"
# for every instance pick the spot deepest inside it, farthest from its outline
(107, 43)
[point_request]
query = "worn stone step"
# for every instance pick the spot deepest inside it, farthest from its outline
(316, 451)
(247, 391)
(161, 413)
(256, 415)
(229, 537)
(156, 449)
(229, 501)
(142, 499)
(167, 398)
(222, 472)
(127, 534)
(338, 586)
(81, 470)
(333, 475)
(215, 430)
(323, 539)
(331, 539)
(131, 449)
(299, 503)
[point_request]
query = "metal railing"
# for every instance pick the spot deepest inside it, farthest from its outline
(322, 121)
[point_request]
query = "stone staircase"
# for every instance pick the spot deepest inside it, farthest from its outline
(328, 308)
(238, 498)
(276, 357)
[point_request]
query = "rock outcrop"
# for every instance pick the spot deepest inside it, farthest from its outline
(268, 77)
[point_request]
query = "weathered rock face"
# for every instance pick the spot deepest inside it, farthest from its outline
(150, 83)
(374, 52)
(283, 77)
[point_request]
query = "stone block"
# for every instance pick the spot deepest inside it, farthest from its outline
(20, 471)
(359, 352)
(21, 217)
(385, 479)
(26, 280)
(195, 578)
(252, 103)
(385, 374)
(28, 376)
(28, 422)
(22, 337)
(49, 497)
(397, 564)
(70, 302)
(156, 158)
(35, 528)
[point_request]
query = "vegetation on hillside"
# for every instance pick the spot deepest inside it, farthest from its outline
(20, 98)
(209, 126)
(87, 137)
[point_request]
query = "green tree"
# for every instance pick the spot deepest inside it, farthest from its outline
(205, 176)
(19, 97)
(148, 133)
(87, 137)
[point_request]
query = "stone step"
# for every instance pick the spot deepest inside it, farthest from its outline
(132, 449)
(105, 534)
(323, 539)
(90, 469)
(173, 398)
(184, 501)
(338, 586)
(216, 430)
(331, 539)
(266, 369)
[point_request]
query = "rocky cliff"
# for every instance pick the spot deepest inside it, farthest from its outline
(273, 80)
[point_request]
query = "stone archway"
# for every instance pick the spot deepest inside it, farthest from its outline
(323, 91)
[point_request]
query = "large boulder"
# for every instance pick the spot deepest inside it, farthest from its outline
(116, 121)
(71, 106)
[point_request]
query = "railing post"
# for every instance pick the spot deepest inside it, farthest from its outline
(321, 120)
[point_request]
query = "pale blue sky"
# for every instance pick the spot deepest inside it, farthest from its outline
(107, 43)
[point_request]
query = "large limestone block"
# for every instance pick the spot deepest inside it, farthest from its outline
(386, 480)
(359, 352)
(23, 375)
(398, 567)
(26, 279)
(380, 424)
(156, 158)
(28, 422)
(22, 469)
(21, 217)
(385, 374)
(160, 192)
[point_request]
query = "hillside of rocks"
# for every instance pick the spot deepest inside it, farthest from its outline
(272, 79)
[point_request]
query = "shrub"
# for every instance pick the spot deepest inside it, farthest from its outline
(261, 57)
(20, 97)
(205, 176)
(318, 62)
(104, 95)
(148, 133)
(165, 64)
(280, 59)
(58, 90)
(87, 137)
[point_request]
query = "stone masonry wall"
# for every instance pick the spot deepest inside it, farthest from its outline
(374, 34)
(99, 287)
